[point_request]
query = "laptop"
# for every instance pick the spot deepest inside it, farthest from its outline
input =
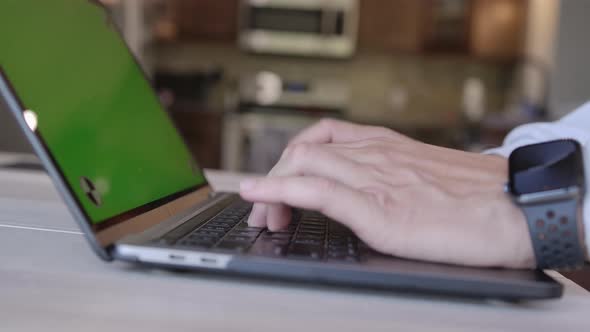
(128, 179)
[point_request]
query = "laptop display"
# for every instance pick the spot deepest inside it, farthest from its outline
(93, 109)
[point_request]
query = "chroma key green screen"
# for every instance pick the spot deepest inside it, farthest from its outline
(96, 113)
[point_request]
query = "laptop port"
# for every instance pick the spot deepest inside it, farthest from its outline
(208, 260)
(176, 257)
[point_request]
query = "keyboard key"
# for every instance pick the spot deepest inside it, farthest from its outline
(313, 222)
(244, 226)
(311, 231)
(343, 257)
(338, 242)
(222, 223)
(278, 240)
(313, 236)
(233, 245)
(223, 215)
(312, 242)
(214, 227)
(267, 247)
(202, 238)
(247, 233)
(204, 232)
(234, 238)
(277, 235)
(305, 251)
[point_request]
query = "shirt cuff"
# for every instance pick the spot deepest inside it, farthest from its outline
(544, 132)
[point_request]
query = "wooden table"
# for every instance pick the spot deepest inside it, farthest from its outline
(51, 281)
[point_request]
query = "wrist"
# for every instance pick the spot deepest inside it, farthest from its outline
(504, 225)
(505, 228)
(521, 253)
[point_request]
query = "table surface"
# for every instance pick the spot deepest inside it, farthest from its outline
(51, 281)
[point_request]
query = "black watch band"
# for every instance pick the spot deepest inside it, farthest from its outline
(547, 181)
(554, 233)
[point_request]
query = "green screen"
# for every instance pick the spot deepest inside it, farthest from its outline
(96, 113)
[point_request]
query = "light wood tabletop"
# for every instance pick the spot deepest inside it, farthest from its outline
(51, 281)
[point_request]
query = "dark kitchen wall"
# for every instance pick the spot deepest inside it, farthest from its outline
(11, 139)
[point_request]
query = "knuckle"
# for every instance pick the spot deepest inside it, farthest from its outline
(391, 134)
(288, 152)
(383, 132)
(326, 123)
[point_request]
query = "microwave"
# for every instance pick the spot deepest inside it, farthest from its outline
(323, 28)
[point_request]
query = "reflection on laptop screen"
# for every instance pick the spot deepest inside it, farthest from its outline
(96, 114)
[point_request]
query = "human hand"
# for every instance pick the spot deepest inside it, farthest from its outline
(400, 196)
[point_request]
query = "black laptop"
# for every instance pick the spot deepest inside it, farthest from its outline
(138, 195)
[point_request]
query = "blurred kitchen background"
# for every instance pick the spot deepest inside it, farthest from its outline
(240, 77)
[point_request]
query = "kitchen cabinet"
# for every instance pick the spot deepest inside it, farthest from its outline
(202, 132)
(205, 20)
(446, 26)
(478, 28)
(391, 25)
(498, 28)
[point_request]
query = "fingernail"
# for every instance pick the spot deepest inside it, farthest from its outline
(247, 184)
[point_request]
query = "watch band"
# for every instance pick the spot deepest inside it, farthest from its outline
(554, 233)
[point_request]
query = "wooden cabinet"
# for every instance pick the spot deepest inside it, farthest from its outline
(481, 28)
(391, 25)
(207, 20)
(447, 26)
(202, 131)
(498, 28)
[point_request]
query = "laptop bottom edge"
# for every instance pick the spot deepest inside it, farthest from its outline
(390, 274)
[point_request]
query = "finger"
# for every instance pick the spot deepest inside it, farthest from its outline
(257, 216)
(333, 199)
(336, 131)
(278, 217)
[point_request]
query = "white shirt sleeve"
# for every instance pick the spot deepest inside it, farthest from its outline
(575, 125)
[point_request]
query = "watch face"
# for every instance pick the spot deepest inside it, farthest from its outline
(546, 166)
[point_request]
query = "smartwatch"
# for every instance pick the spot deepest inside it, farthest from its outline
(546, 180)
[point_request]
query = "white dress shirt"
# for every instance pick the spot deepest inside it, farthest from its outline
(575, 125)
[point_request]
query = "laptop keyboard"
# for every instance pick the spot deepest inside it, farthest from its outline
(309, 236)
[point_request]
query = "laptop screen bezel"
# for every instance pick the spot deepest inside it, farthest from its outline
(14, 104)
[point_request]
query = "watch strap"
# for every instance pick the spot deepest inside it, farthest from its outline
(554, 233)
